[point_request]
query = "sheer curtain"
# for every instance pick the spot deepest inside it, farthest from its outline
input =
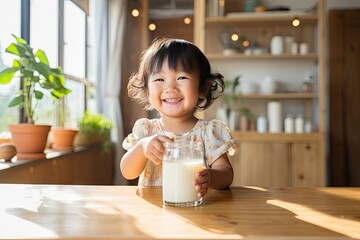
(109, 26)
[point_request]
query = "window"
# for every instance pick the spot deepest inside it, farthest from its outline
(58, 28)
(9, 24)
(74, 60)
(44, 35)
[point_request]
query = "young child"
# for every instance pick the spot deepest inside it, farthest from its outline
(174, 78)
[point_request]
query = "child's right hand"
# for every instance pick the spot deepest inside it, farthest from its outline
(153, 147)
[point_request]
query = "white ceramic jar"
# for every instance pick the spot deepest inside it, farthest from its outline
(261, 123)
(308, 126)
(289, 124)
(294, 48)
(277, 45)
(288, 41)
(304, 48)
(269, 85)
(299, 124)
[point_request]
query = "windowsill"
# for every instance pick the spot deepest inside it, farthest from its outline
(50, 154)
(83, 165)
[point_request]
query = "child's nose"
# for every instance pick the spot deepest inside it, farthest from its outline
(171, 85)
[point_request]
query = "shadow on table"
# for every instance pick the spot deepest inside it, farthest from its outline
(250, 211)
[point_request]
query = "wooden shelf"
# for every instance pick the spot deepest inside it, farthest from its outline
(267, 17)
(274, 96)
(220, 56)
(276, 137)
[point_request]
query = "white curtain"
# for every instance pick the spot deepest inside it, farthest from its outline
(109, 26)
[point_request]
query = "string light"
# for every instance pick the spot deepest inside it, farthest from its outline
(234, 37)
(152, 26)
(295, 22)
(187, 20)
(135, 12)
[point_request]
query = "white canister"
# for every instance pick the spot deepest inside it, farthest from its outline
(289, 124)
(288, 41)
(294, 48)
(261, 123)
(308, 126)
(304, 48)
(277, 45)
(299, 124)
(269, 85)
(275, 117)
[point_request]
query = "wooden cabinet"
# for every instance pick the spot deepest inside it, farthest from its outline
(269, 160)
(307, 169)
(273, 159)
(261, 164)
(88, 165)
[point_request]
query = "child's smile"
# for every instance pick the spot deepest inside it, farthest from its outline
(173, 93)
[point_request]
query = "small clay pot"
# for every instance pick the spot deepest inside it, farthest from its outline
(7, 151)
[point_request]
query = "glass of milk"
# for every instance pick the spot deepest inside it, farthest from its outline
(181, 161)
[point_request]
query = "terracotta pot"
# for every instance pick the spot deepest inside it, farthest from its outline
(244, 123)
(29, 140)
(63, 139)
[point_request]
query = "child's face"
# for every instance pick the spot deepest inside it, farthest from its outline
(173, 93)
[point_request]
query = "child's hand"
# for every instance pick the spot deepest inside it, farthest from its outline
(153, 147)
(202, 182)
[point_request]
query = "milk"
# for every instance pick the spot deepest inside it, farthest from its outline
(178, 178)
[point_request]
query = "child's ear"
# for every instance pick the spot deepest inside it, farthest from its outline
(204, 90)
(202, 96)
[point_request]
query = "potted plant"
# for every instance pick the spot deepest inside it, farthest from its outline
(36, 78)
(62, 137)
(94, 128)
(233, 113)
(226, 111)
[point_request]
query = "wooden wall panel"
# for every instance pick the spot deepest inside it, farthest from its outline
(344, 97)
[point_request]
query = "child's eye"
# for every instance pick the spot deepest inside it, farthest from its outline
(182, 78)
(158, 80)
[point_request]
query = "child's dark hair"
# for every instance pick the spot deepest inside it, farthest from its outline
(181, 53)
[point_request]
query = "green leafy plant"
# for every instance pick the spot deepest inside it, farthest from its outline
(229, 96)
(91, 125)
(247, 113)
(35, 75)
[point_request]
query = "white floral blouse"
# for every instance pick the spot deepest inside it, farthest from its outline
(214, 134)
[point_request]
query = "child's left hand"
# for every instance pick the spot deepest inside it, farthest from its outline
(202, 182)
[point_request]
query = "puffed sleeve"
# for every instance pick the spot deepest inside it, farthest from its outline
(218, 140)
(141, 129)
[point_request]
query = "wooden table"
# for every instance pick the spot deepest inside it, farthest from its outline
(127, 212)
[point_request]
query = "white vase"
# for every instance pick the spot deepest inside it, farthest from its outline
(269, 85)
(277, 45)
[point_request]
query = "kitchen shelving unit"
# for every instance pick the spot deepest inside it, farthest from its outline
(274, 159)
